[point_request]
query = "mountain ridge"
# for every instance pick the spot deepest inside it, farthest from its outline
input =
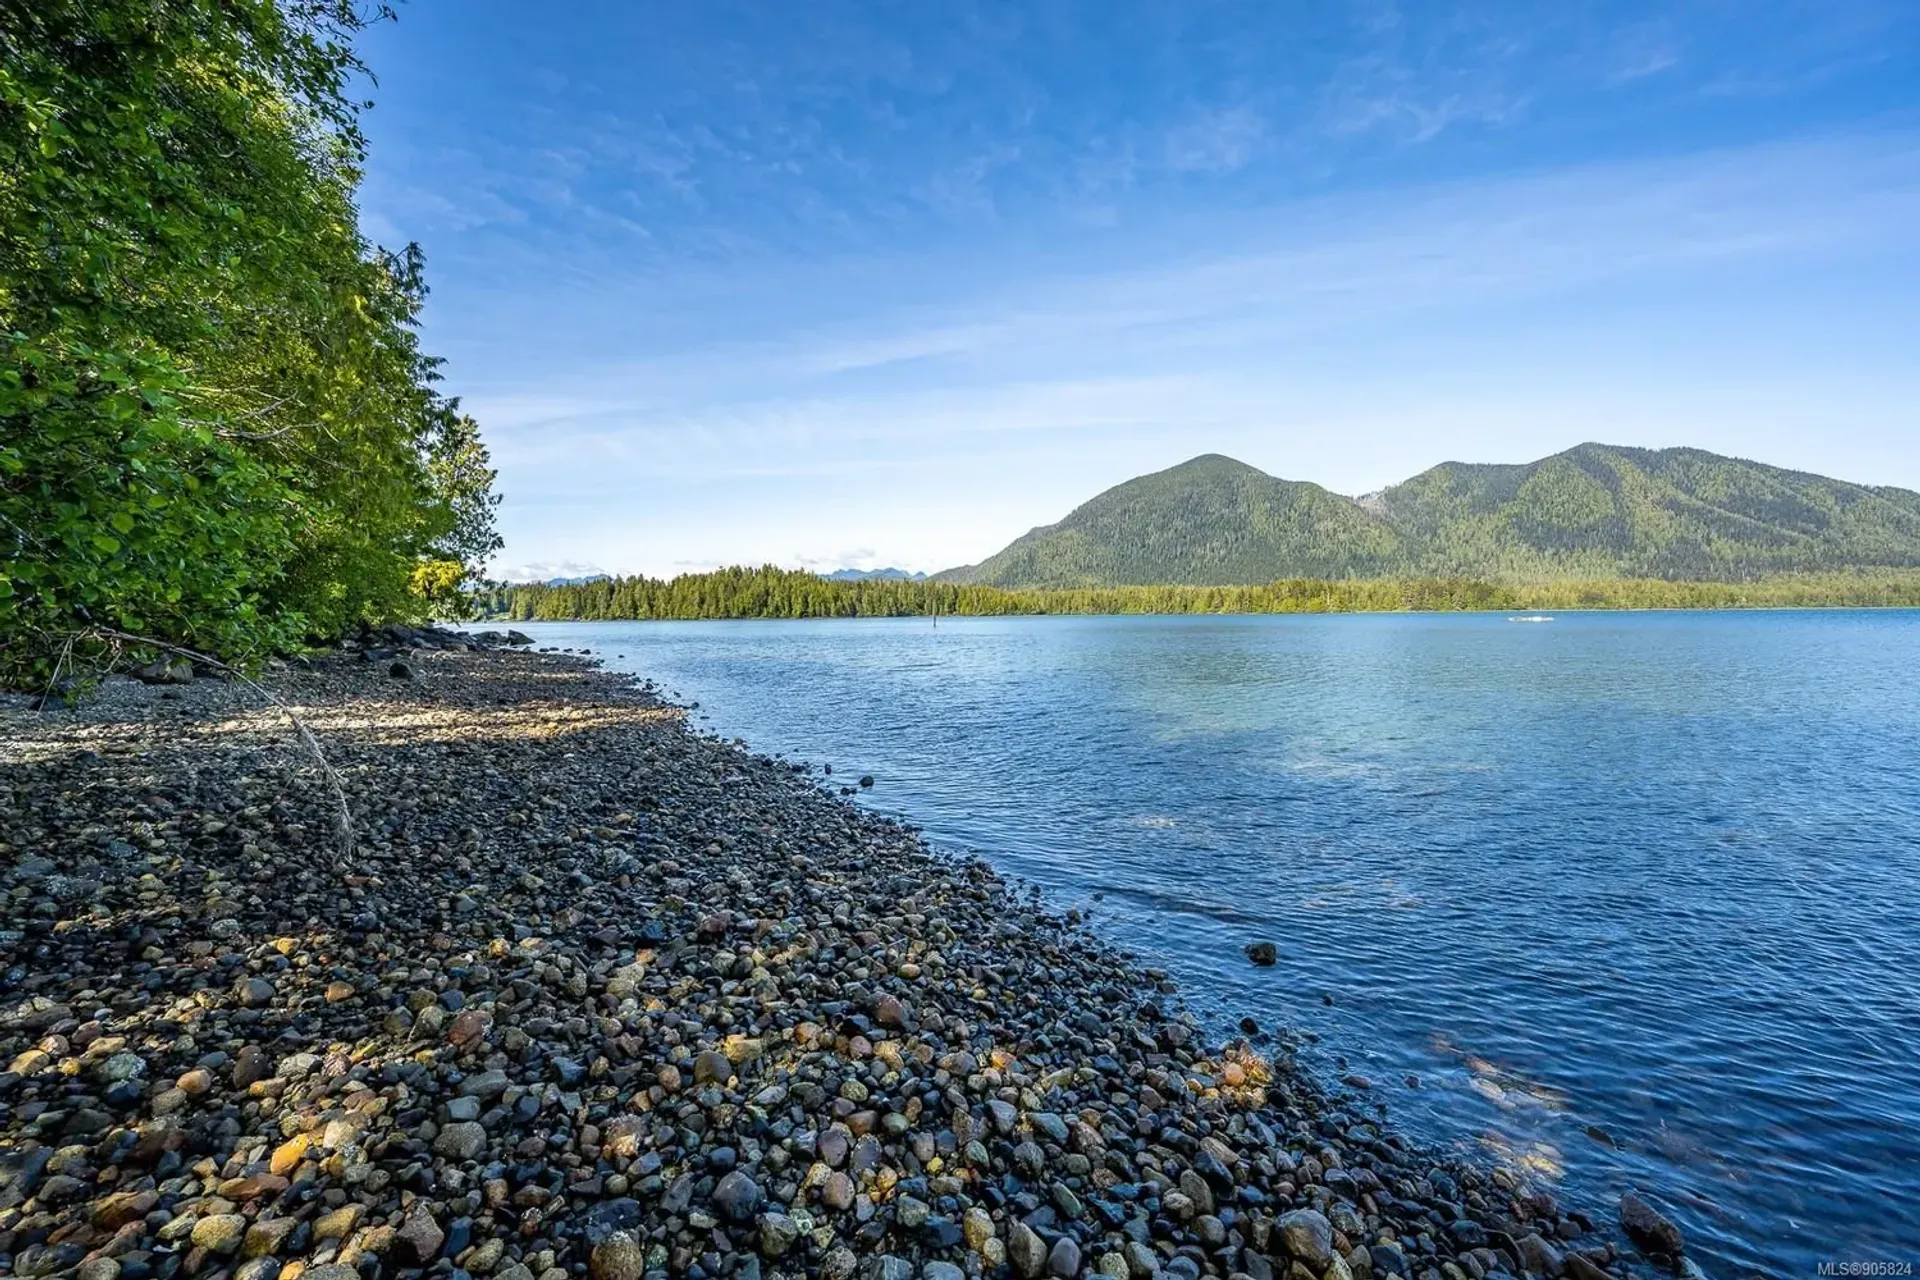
(889, 574)
(1594, 510)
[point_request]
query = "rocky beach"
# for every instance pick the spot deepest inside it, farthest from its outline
(589, 993)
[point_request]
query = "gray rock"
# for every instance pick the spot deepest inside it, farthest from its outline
(911, 1213)
(1539, 1257)
(1388, 1258)
(462, 1140)
(737, 1197)
(1307, 1236)
(484, 1085)
(777, 1234)
(1648, 1228)
(420, 1237)
(1026, 1250)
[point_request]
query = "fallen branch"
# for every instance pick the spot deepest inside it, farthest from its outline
(343, 811)
(53, 681)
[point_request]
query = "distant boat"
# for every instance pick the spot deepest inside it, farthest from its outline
(1532, 617)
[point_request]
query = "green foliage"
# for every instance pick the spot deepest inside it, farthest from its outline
(216, 424)
(781, 593)
(146, 526)
(1602, 511)
(1210, 520)
(1592, 512)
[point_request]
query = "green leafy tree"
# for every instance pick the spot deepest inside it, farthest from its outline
(217, 425)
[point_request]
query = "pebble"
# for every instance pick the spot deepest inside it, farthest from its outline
(1308, 1236)
(595, 995)
(1026, 1251)
(420, 1238)
(737, 1196)
(462, 1140)
(220, 1232)
(619, 1257)
(777, 1234)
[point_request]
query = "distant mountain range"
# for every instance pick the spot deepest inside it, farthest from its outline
(873, 575)
(579, 582)
(1595, 511)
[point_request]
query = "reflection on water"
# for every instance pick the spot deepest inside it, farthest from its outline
(1628, 899)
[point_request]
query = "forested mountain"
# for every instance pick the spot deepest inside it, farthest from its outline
(1595, 511)
(1208, 521)
(1599, 510)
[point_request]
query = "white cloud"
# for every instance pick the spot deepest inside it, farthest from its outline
(1091, 347)
(543, 570)
(1215, 141)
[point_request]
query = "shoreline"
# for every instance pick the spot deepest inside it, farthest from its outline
(500, 623)
(599, 994)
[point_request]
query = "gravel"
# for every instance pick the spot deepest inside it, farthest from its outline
(598, 995)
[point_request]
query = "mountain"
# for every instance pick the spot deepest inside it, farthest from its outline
(1604, 511)
(1208, 521)
(1593, 511)
(873, 575)
(579, 582)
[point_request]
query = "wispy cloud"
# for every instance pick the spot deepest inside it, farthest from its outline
(729, 258)
(1377, 95)
(1313, 268)
(1645, 49)
(1216, 140)
(544, 570)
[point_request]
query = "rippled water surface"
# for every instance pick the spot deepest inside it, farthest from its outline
(1636, 898)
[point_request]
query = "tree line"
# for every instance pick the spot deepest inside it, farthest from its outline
(218, 427)
(770, 592)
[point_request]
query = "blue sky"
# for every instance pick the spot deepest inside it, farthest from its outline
(873, 283)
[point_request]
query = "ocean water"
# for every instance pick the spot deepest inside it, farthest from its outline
(1625, 899)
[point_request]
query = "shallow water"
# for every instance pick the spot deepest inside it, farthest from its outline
(1635, 897)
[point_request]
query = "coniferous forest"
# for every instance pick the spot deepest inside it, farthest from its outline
(218, 427)
(770, 592)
